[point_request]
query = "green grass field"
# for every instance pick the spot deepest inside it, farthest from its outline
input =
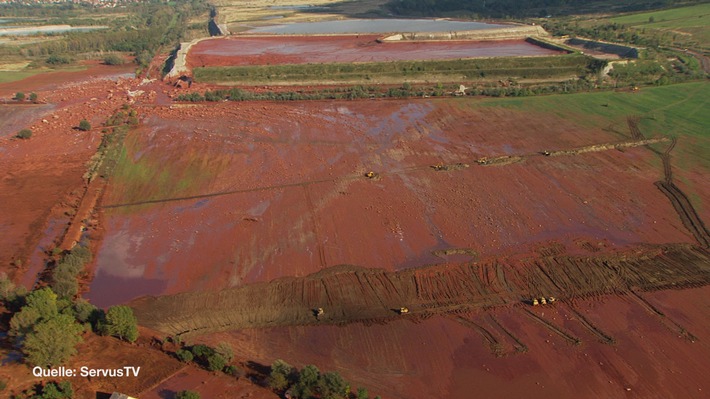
(13, 76)
(676, 110)
(693, 20)
(698, 15)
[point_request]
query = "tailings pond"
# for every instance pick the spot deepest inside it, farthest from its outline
(373, 26)
(352, 48)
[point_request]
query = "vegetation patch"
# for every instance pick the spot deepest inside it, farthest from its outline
(309, 382)
(521, 67)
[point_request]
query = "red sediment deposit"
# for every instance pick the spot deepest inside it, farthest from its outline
(270, 50)
(242, 218)
(272, 197)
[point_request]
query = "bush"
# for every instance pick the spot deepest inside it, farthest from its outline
(114, 59)
(58, 60)
(187, 395)
(84, 125)
(233, 371)
(24, 134)
(84, 311)
(50, 390)
(19, 96)
(280, 375)
(184, 355)
(7, 288)
(215, 362)
(224, 350)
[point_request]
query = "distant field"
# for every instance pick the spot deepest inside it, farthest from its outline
(12, 76)
(693, 20)
(678, 110)
(673, 18)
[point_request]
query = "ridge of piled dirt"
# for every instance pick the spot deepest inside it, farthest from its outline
(348, 294)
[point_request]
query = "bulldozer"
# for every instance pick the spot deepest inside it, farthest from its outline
(370, 175)
(403, 310)
(318, 312)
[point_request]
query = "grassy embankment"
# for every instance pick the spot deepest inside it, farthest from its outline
(542, 68)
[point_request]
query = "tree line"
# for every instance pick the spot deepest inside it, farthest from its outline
(520, 8)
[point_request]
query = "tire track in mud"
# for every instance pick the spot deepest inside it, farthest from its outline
(596, 331)
(682, 205)
(552, 327)
(350, 294)
(316, 230)
(519, 345)
(493, 344)
(667, 322)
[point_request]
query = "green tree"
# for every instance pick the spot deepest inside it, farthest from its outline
(187, 395)
(114, 59)
(215, 362)
(362, 393)
(53, 341)
(64, 283)
(280, 375)
(224, 350)
(7, 288)
(19, 96)
(58, 60)
(23, 322)
(307, 381)
(84, 125)
(84, 310)
(33, 97)
(45, 301)
(333, 386)
(121, 323)
(184, 355)
(40, 305)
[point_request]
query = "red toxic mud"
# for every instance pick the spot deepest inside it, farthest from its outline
(321, 49)
(248, 197)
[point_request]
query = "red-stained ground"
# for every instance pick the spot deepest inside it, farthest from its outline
(42, 176)
(57, 83)
(265, 50)
(279, 190)
(444, 358)
(287, 196)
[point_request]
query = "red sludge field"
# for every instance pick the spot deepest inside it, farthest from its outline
(425, 229)
(264, 50)
(254, 214)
